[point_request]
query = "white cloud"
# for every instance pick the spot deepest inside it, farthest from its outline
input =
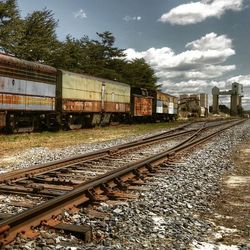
(80, 14)
(201, 61)
(195, 69)
(211, 41)
(195, 12)
(242, 79)
(132, 18)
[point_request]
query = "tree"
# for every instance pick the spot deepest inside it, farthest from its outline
(34, 39)
(11, 26)
(70, 54)
(138, 73)
(101, 57)
(94, 57)
(39, 41)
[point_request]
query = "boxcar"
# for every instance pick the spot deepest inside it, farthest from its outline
(27, 94)
(141, 105)
(84, 100)
(164, 106)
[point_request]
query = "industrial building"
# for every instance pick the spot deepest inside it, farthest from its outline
(193, 105)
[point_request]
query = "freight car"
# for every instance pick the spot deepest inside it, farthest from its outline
(165, 106)
(84, 101)
(141, 105)
(39, 97)
(27, 94)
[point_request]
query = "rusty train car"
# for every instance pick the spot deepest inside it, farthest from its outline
(84, 101)
(39, 97)
(27, 93)
(165, 106)
(141, 105)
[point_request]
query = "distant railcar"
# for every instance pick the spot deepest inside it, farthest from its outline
(84, 100)
(165, 106)
(141, 105)
(27, 94)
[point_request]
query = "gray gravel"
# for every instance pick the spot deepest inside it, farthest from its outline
(39, 155)
(164, 217)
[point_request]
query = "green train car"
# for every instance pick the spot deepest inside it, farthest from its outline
(84, 100)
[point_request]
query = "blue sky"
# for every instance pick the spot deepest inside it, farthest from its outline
(192, 45)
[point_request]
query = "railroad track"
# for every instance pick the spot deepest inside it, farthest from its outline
(102, 185)
(20, 175)
(56, 178)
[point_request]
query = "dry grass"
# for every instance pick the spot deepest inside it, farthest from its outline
(13, 143)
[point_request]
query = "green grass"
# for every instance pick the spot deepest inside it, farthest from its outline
(18, 142)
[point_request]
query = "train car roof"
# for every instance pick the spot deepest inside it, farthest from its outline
(8, 60)
(167, 94)
(94, 78)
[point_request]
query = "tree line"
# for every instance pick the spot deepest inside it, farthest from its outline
(34, 38)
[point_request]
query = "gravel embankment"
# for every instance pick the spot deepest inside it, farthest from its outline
(39, 155)
(167, 215)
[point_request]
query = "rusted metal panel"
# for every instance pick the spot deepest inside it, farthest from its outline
(84, 93)
(142, 106)
(2, 119)
(21, 102)
(81, 106)
(12, 62)
(116, 107)
(169, 103)
(163, 96)
(163, 101)
(25, 85)
(14, 68)
(117, 97)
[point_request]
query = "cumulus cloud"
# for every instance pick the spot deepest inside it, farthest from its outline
(193, 86)
(242, 79)
(80, 14)
(202, 59)
(211, 41)
(132, 18)
(195, 69)
(195, 12)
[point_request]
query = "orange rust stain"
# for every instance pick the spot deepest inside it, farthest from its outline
(82, 106)
(142, 106)
(26, 100)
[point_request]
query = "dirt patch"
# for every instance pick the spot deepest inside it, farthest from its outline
(232, 209)
(237, 181)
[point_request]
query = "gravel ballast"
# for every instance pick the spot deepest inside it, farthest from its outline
(167, 215)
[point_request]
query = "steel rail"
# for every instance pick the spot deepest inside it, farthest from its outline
(64, 163)
(43, 168)
(48, 211)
